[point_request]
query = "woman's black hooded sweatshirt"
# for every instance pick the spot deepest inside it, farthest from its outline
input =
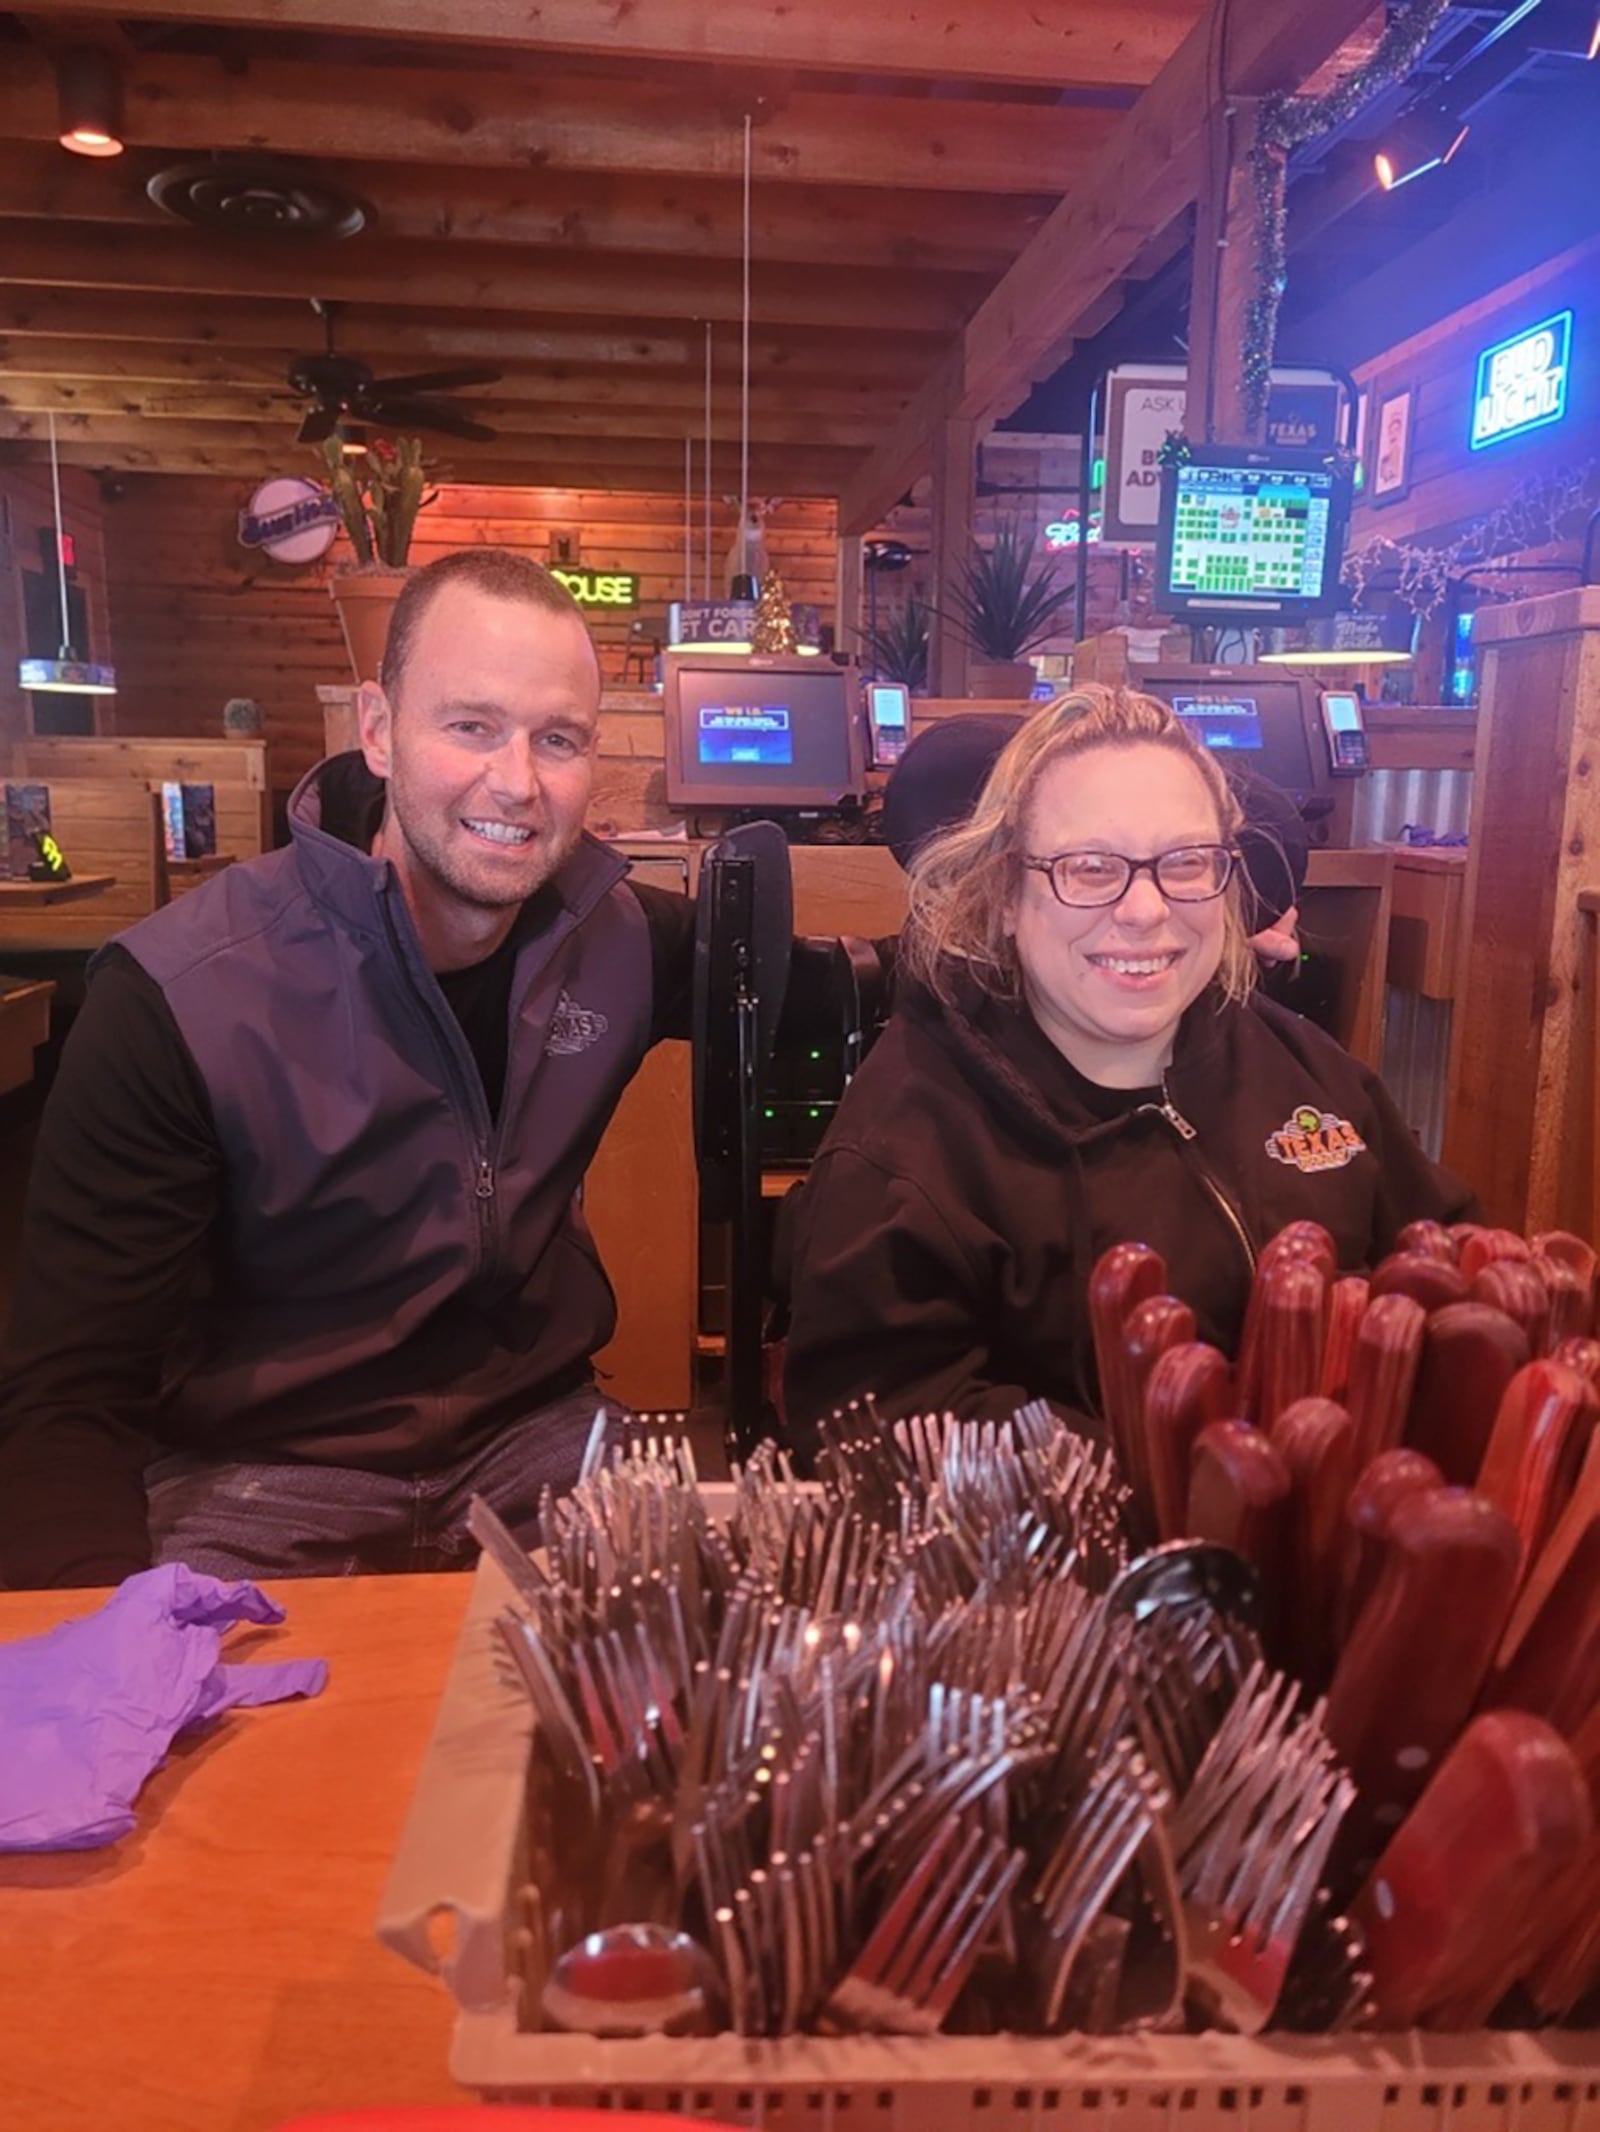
(944, 1238)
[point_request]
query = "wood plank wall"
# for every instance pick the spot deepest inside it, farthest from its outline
(25, 507)
(196, 618)
(1451, 484)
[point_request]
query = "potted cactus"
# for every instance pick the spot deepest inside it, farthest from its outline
(379, 498)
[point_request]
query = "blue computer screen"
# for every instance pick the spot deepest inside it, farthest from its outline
(746, 733)
(1221, 722)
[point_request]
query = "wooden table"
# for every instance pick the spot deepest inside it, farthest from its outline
(217, 1971)
(24, 1026)
(35, 895)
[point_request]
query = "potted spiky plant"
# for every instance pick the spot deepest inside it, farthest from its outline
(1006, 607)
(897, 649)
(379, 497)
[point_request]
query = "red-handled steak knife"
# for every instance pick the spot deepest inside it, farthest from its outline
(1470, 1353)
(1239, 1496)
(1315, 1438)
(1152, 1327)
(1383, 1369)
(1513, 1285)
(1347, 1306)
(1420, 1651)
(1378, 1493)
(1190, 1386)
(1448, 1908)
(1541, 1435)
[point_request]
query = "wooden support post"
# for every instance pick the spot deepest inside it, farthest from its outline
(954, 480)
(1223, 280)
(847, 596)
(1520, 1125)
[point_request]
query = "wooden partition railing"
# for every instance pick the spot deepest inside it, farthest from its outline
(236, 770)
(107, 825)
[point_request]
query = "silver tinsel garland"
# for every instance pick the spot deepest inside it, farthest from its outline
(1286, 123)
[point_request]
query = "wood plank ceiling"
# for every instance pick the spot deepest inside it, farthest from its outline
(557, 192)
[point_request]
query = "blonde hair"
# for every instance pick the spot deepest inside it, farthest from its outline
(965, 881)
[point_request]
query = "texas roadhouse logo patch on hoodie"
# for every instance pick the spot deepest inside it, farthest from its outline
(1310, 1140)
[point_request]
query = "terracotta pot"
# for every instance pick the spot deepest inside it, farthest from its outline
(1007, 681)
(365, 600)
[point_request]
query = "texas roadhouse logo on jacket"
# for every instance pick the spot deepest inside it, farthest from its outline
(1310, 1140)
(574, 1028)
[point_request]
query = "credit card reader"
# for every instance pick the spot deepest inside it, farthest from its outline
(888, 721)
(1345, 727)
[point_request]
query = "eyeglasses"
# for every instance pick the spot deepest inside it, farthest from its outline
(1085, 880)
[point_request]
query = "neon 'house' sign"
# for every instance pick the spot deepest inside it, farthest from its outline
(1522, 383)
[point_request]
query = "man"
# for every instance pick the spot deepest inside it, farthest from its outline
(303, 1264)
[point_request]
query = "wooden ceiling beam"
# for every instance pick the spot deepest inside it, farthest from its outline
(478, 278)
(276, 440)
(1148, 175)
(197, 333)
(1095, 43)
(777, 472)
(35, 375)
(685, 218)
(532, 121)
(795, 421)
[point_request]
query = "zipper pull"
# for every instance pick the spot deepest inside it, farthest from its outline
(485, 1185)
(1174, 1117)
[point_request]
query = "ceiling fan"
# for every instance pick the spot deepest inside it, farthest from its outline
(342, 388)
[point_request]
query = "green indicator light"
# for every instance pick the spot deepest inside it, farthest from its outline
(769, 1114)
(816, 1054)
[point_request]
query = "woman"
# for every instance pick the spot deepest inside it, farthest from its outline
(1075, 1058)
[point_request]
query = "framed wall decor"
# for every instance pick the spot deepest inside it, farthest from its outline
(1391, 444)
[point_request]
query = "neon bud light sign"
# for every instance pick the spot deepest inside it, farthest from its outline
(1522, 383)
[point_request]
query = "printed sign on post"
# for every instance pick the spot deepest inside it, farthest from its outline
(1145, 402)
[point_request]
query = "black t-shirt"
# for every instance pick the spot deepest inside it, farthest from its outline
(1068, 1092)
(127, 1186)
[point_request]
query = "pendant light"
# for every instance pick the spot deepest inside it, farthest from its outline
(744, 586)
(66, 674)
(89, 95)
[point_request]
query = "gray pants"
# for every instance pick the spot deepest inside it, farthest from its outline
(278, 1519)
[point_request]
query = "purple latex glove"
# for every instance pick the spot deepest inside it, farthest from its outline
(88, 1710)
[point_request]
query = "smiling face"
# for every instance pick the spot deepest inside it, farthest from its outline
(1109, 986)
(488, 750)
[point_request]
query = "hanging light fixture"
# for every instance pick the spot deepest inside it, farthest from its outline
(1423, 140)
(89, 97)
(744, 586)
(66, 674)
(1386, 636)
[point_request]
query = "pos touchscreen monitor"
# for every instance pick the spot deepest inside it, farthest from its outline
(756, 731)
(1251, 535)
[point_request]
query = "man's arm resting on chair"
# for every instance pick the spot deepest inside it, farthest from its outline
(127, 1179)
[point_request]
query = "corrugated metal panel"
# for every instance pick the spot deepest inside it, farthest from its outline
(1386, 800)
(1416, 1061)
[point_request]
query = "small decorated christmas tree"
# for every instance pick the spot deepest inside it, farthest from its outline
(773, 629)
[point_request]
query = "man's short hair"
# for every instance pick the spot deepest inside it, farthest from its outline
(500, 572)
